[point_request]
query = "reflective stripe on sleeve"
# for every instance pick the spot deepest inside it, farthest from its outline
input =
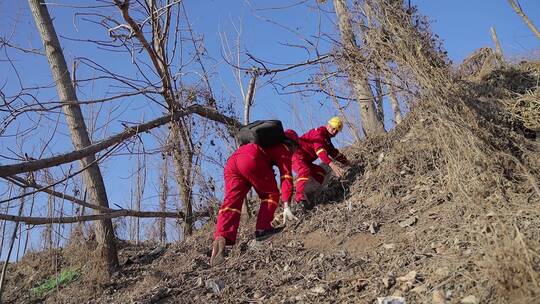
(286, 177)
(320, 151)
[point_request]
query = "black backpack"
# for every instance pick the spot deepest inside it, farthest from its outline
(264, 133)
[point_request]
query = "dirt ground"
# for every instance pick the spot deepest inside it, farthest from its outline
(421, 215)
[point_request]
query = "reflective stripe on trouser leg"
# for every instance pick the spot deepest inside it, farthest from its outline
(301, 167)
(266, 212)
(236, 188)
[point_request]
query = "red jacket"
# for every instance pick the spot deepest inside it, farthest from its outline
(280, 156)
(317, 143)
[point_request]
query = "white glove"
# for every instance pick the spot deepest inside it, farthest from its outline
(287, 213)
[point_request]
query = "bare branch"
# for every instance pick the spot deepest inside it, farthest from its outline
(29, 220)
(526, 19)
(34, 165)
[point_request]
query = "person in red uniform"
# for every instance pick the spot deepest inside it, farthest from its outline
(251, 166)
(316, 143)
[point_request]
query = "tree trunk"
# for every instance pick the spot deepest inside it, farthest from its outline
(379, 99)
(139, 193)
(13, 236)
(79, 134)
(248, 102)
(47, 233)
(372, 125)
(394, 102)
(528, 21)
(182, 164)
(182, 152)
(498, 49)
(163, 198)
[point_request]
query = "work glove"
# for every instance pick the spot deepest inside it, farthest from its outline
(287, 213)
(338, 171)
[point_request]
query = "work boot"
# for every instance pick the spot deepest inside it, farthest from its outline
(218, 252)
(261, 235)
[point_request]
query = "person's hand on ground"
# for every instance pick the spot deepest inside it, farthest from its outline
(338, 171)
(287, 213)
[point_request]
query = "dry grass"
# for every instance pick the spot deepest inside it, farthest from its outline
(526, 109)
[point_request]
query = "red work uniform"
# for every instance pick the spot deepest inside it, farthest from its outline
(251, 165)
(316, 143)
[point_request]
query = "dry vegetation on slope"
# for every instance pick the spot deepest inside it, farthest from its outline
(444, 208)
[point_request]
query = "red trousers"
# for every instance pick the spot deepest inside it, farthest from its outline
(247, 167)
(305, 169)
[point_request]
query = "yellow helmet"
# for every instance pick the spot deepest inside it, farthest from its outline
(335, 122)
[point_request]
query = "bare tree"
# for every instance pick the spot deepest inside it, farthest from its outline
(371, 122)
(394, 102)
(92, 175)
(160, 23)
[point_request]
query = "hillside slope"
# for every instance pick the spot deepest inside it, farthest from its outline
(443, 209)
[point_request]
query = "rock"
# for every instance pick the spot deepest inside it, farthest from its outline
(391, 300)
(216, 285)
(373, 227)
(389, 246)
(469, 300)
(295, 244)
(162, 293)
(408, 222)
(389, 282)
(438, 297)
(409, 277)
(318, 290)
(199, 282)
(285, 268)
(380, 158)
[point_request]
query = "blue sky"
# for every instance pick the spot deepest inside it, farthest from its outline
(465, 25)
(270, 32)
